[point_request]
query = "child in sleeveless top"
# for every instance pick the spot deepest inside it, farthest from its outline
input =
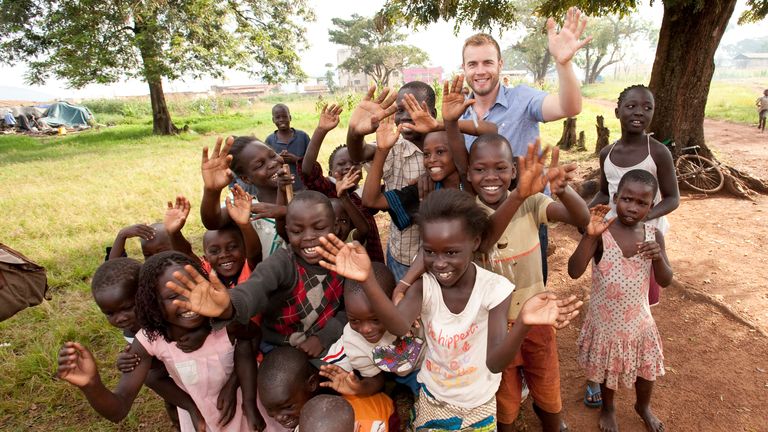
(619, 341)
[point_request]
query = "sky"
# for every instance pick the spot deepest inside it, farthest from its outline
(438, 40)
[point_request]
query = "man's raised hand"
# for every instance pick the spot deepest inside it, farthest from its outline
(564, 44)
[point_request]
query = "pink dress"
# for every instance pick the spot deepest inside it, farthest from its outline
(619, 340)
(201, 374)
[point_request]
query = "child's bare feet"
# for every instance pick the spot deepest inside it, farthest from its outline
(652, 423)
(608, 419)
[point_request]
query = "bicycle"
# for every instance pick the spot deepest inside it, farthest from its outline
(694, 171)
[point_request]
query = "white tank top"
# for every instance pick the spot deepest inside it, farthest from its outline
(614, 173)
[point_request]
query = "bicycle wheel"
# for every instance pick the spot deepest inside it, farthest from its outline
(699, 173)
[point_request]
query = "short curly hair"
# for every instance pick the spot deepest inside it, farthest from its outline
(123, 272)
(149, 308)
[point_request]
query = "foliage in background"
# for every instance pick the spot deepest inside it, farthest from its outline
(376, 46)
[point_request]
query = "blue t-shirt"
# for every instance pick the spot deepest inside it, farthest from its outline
(297, 146)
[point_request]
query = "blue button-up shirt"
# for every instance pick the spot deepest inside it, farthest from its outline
(517, 113)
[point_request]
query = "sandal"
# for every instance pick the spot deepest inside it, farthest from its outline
(591, 394)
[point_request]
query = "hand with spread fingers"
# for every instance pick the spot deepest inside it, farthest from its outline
(239, 206)
(370, 111)
(348, 182)
(387, 134)
(207, 298)
(215, 169)
(346, 259)
(597, 222)
(176, 214)
(421, 119)
(546, 309)
(329, 117)
(341, 381)
(531, 177)
(454, 101)
(564, 44)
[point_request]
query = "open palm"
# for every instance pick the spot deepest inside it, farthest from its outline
(421, 118)
(329, 117)
(454, 102)
(530, 176)
(176, 214)
(215, 169)
(369, 112)
(208, 298)
(564, 44)
(546, 309)
(597, 222)
(343, 382)
(347, 259)
(239, 206)
(387, 134)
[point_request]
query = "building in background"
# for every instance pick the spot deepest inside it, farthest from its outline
(424, 74)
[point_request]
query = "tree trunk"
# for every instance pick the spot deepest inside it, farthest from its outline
(603, 135)
(161, 118)
(568, 139)
(683, 69)
(581, 142)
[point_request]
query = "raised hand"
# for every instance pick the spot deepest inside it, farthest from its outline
(348, 182)
(545, 309)
(216, 172)
(421, 119)
(343, 382)
(142, 231)
(597, 223)
(127, 361)
(530, 171)
(76, 365)
(347, 259)
(387, 134)
(564, 44)
(559, 175)
(454, 101)
(329, 117)
(649, 250)
(239, 206)
(208, 298)
(369, 112)
(176, 214)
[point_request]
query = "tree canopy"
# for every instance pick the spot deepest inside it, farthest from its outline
(376, 45)
(97, 41)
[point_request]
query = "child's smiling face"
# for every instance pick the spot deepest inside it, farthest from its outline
(491, 171)
(225, 251)
(260, 165)
(172, 314)
(448, 249)
(281, 117)
(438, 159)
(361, 317)
(118, 304)
(341, 164)
(306, 222)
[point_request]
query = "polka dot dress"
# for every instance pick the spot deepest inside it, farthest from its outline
(619, 340)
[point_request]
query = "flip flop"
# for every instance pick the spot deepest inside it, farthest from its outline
(589, 396)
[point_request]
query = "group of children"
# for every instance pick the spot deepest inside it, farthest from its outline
(290, 318)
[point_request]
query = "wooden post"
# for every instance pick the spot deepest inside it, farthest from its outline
(568, 139)
(603, 135)
(580, 145)
(288, 188)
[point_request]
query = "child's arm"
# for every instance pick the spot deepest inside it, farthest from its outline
(665, 172)
(146, 232)
(541, 309)
(454, 105)
(530, 180)
(329, 119)
(348, 384)
(284, 180)
(355, 215)
(240, 212)
(656, 252)
(174, 220)
(386, 136)
(246, 370)
(351, 261)
(216, 176)
(162, 384)
(591, 242)
(364, 121)
(78, 367)
(571, 209)
(602, 197)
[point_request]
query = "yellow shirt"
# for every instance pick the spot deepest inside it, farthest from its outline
(517, 254)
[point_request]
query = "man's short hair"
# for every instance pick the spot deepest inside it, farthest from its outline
(478, 40)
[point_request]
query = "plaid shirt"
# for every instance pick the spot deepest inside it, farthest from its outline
(314, 301)
(316, 181)
(404, 164)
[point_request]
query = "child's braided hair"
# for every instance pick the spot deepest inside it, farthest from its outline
(148, 303)
(624, 92)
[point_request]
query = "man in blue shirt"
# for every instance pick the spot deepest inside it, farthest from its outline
(517, 112)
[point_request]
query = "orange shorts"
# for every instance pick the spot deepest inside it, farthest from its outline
(538, 360)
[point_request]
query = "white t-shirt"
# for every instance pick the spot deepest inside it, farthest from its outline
(454, 368)
(389, 354)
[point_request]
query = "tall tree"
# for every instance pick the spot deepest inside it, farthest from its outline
(610, 37)
(105, 41)
(690, 33)
(376, 45)
(531, 52)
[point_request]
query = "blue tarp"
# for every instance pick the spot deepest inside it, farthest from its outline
(66, 114)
